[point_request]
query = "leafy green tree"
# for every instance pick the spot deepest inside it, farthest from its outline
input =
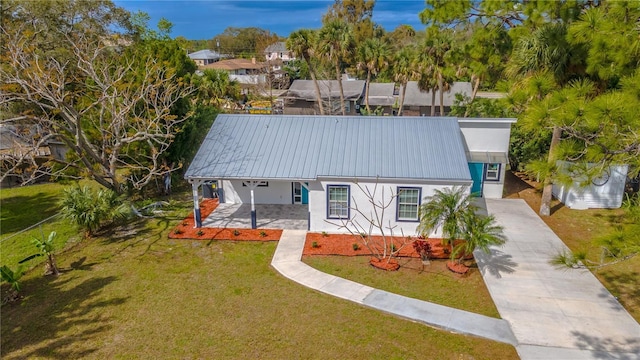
(245, 42)
(335, 44)
(303, 43)
(358, 14)
(78, 82)
(403, 35)
(373, 56)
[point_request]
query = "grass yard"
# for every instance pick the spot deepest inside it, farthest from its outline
(137, 294)
(435, 283)
(22, 207)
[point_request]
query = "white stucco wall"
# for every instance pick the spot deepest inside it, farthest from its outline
(482, 135)
(318, 205)
(278, 192)
(494, 189)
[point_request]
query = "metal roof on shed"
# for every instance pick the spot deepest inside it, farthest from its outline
(307, 147)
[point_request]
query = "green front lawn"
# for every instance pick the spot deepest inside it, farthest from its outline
(136, 294)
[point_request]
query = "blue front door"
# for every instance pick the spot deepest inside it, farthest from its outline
(476, 170)
(305, 195)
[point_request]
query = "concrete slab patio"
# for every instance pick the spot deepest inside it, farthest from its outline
(269, 216)
(554, 313)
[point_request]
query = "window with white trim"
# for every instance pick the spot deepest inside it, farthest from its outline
(408, 203)
(492, 172)
(338, 201)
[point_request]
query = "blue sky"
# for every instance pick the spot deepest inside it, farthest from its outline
(203, 19)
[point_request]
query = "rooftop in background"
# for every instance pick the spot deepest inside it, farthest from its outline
(235, 64)
(415, 97)
(205, 55)
(308, 147)
(305, 89)
(278, 47)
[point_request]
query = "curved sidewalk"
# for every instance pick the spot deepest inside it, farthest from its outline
(287, 260)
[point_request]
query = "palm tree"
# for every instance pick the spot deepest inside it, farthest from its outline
(480, 232)
(335, 44)
(373, 56)
(302, 43)
(434, 57)
(446, 209)
(403, 71)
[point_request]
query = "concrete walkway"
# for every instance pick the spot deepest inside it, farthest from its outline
(554, 313)
(287, 260)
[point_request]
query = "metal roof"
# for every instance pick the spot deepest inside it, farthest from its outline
(205, 55)
(279, 46)
(271, 147)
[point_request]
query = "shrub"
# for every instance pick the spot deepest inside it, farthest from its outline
(315, 245)
(200, 233)
(263, 233)
(394, 248)
(356, 247)
(178, 231)
(363, 235)
(89, 209)
(325, 234)
(236, 232)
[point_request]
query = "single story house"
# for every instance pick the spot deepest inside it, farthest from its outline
(244, 71)
(418, 103)
(205, 57)
(325, 164)
(382, 96)
(278, 51)
(301, 97)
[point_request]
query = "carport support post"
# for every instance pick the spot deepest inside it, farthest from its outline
(252, 185)
(196, 205)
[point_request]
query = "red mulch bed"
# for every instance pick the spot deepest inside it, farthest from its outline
(186, 229)
(457, 268)
(391, 265)
(342, 244)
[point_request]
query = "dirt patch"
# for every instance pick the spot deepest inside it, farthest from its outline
(186, 229)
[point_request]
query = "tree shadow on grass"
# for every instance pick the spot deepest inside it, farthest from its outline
(496, 263)
(57, 319)
(624, 286)
(39, 206)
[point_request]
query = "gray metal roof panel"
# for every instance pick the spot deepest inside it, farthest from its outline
(308, 147)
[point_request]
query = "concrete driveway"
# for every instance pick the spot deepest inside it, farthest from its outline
(554, 313)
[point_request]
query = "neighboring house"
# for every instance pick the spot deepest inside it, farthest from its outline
(244, 71)
(301, 97)
(418, 103)
(278, 51)
(205, 57)
(383, 96)
(322, 162)
(603, 192)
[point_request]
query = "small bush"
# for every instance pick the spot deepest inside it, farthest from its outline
(178, 231)
(236, 232)
(394, 248)
(315, 245)
(263, 234)
(185, 223)
(325, 234)
(363, 235)
(356, 247)
(200, 233)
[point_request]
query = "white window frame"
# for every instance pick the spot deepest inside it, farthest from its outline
(400, 203)
(492, 171)
(345, 211)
